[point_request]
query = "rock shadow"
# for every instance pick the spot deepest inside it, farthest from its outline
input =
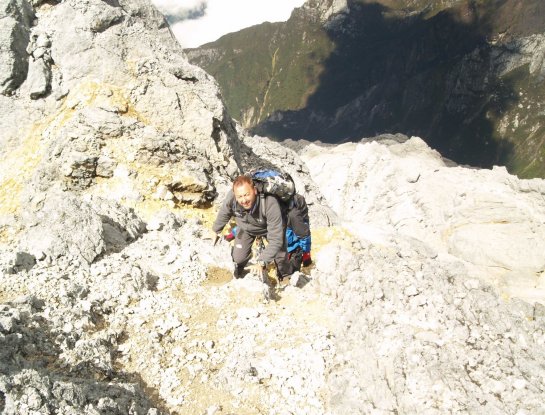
(116, 236)
(249, 160)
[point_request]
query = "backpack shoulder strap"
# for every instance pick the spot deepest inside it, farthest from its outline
(233, 203)
(262, 205)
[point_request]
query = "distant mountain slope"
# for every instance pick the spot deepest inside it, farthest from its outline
(268, 67)
(466, 75)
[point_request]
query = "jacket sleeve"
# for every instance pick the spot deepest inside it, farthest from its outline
(292, 240)
(225, 213)
(275, 229)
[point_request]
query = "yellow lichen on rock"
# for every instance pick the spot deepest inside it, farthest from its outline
(323, 235)
(148, 208)
(21, 162)
(138, 185)
(17, 168)
(94, 94)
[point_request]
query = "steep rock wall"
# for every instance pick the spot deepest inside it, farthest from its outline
(109, 92)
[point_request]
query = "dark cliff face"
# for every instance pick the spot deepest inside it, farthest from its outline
(467, 76)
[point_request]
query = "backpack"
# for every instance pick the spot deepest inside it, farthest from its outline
(275, 183)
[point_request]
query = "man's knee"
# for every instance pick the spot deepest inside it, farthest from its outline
(242, 248)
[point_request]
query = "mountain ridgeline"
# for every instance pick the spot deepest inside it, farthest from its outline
(466, 75)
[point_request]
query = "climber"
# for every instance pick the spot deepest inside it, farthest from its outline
(255, 216)
(298, 235)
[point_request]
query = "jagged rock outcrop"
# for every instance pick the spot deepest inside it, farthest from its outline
(17, 16)
(322, 11)
(96, 104)
(34, 380)
(419, 336)
(74, 231)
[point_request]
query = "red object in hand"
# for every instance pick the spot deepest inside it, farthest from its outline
(229, 237)
(306, 259)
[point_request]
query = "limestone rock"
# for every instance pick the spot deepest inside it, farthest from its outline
(383, 322)
(403, 311)
(63, 227)
(488, 218)
(68, 229)
(392, 342)
(16, 18)
(22, 261)
(322, 11)
(110, 103)
(27, 390)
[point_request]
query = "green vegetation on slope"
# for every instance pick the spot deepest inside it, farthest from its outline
(269, 67)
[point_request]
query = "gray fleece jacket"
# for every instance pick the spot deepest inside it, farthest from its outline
(269, 223)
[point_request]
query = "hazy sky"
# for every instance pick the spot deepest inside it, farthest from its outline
(195, 22)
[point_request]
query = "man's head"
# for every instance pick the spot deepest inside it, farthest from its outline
(245, 191)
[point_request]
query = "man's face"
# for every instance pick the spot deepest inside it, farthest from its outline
(245, 195)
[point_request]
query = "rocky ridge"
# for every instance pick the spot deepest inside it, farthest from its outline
(99, 88)
(113, 300)
(383, 323)
(487, 218)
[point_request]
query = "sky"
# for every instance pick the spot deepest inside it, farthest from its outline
(195, 22)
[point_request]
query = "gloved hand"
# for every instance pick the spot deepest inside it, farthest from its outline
(307, 260)
(229, 237)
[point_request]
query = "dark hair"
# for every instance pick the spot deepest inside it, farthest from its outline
(242, 180)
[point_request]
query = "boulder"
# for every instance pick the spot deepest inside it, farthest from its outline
(16, 16)
(72, 231)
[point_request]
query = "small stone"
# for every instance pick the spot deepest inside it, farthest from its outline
(212, 410)
(496, 387)
(411, 291)
(298, 279)
(472, 284)
(247, 313)
(519, 384)
(154, 225)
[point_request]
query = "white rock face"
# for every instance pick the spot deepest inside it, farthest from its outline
(323, 10)
(108, 86)
(16, 18)
(418, 336)
(491, 220)
(383, 323)
(113, 299)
